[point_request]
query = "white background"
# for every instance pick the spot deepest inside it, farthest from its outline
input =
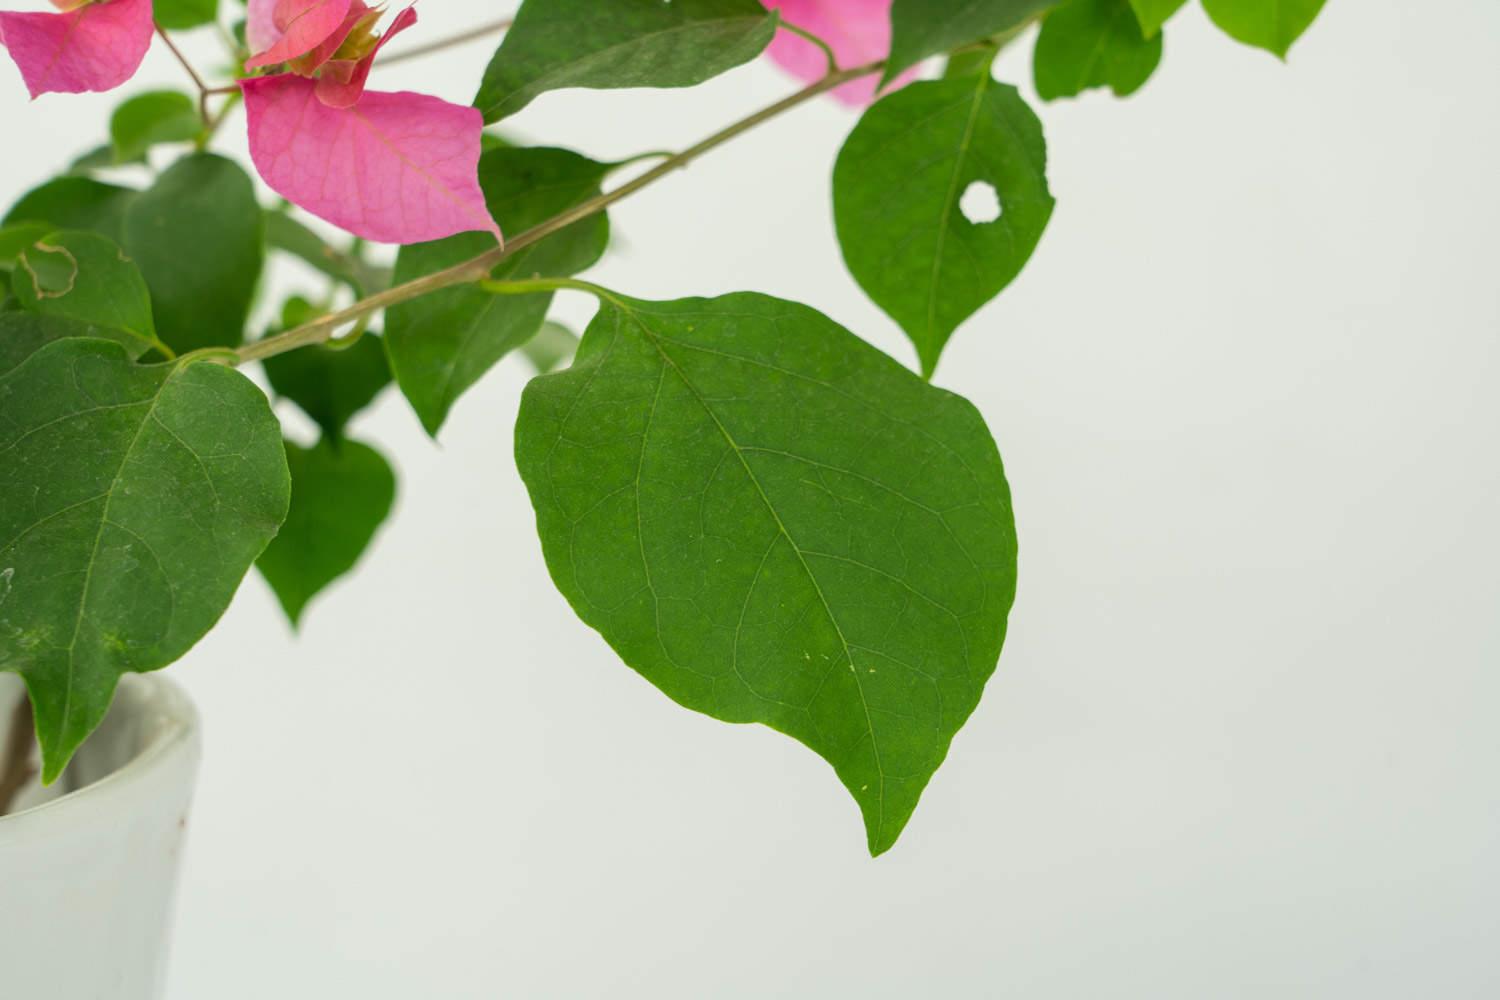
(1243, 740)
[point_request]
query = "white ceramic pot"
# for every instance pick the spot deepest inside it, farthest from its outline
(88, 870)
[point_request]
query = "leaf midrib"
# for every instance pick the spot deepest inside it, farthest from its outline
(656, 342)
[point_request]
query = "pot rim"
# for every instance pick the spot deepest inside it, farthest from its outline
(172, 742)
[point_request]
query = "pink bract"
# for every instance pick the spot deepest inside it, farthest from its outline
(858, 31)
(394, 168)
(91, 48)
(343, 80)
(299, 26)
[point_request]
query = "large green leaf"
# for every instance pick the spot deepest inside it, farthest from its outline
(76, 203)
(1094, 43)
(198, 236)
(1272, 25)
(898, 192)
(341, 494)
(1152, 14)
(146, 120)
(634, 43)
(924, 28)
(774, 522)
(441, 344)
(85, 276)
(22, 334)
(133, 499)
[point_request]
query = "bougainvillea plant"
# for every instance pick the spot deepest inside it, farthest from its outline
(766, 517)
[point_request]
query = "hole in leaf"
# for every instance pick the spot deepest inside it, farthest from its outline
(53, 270)
(980, 203)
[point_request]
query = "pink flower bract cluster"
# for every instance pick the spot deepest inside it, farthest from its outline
(390, 167)
(88, 46)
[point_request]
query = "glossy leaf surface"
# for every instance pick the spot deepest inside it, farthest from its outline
(774, 522)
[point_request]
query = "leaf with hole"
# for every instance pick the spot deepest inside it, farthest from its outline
(441, 344)
(1272, 25)
(199, 239)
(582, 43)
(133, 499)
(342, 493)
(84, 276)
(1093, 43)
(774, 522)
(921, 29)
(899, 189)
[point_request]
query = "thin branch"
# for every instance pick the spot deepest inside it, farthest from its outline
(479, 268)
(472, 35)
(803, 33)
(203, 88)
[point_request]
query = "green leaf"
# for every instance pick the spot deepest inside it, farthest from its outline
(86, 277)
(22, 334)
(1093, 43)
(132, 501)
(1272, 25)
(286, 234)
(1152, 14)
(76, 203)
(921, 29)
(774, 522)
(552, 347)
(151, 119)
(17, 237)
(582, 43)
(340, 497)
(179, 15)
(198, 236)
(899, 188)
(441, 344)
(331, 384)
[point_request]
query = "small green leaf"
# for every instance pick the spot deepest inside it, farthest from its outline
(1093, 43)
(22, 334)
(553, 346)
(86, 277)
(179, 15)
(1272, 25)
(132, 501)
(151, 119)
(774, 522)
(582, 43)
(914, 162)
(76, 203)
(921, 29)
(340, 497)
(1152, 14)
(441, 344)
(198, 236)
(331, 384)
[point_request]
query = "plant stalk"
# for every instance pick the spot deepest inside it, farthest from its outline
(16, 769)
(479, 268)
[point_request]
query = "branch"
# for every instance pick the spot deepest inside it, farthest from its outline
(473, 34)
(479, 268)
(203, 89)
(15, 758)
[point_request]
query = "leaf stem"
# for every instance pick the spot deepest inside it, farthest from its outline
(479, 268)
(203, 88)
(833, 60)
(473, 34)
